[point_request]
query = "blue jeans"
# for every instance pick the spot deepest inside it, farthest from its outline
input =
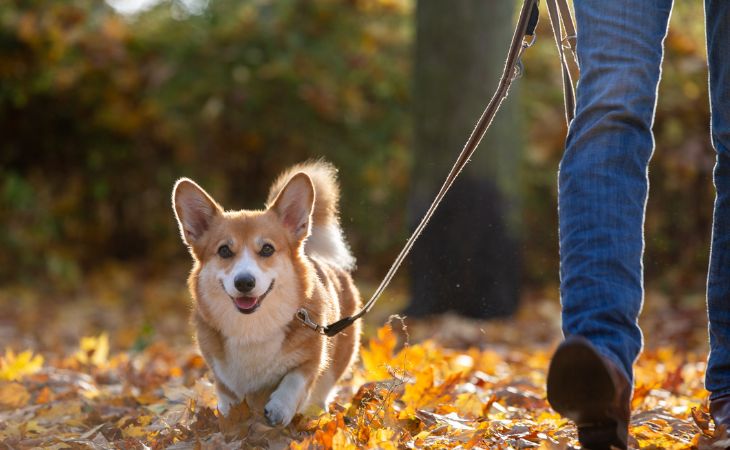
(603, 179)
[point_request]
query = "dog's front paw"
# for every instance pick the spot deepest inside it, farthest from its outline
(279, 412)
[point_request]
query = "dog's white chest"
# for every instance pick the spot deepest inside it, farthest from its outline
(250, 366)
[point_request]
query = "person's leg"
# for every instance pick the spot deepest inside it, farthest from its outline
(603, 175)
(718, 283)
(602, 189)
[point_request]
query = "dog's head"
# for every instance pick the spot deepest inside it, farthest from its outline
(246, 261)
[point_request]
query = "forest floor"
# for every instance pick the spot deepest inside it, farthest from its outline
(113, 366)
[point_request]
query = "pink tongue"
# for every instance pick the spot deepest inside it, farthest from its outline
(246, 302)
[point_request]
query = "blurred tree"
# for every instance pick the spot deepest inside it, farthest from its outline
(468, 257)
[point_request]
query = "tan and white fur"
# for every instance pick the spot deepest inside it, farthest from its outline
(290, 255)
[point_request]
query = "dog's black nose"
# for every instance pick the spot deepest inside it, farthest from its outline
(244, 282)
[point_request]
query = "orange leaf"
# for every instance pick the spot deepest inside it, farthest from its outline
(377, 358)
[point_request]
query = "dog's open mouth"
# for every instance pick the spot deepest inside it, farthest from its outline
(247, 305)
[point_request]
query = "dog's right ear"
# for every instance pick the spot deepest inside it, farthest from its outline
(194, 209)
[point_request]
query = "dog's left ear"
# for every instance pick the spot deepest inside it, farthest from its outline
(294, 205)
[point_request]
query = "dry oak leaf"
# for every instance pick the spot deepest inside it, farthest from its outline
(13, 395)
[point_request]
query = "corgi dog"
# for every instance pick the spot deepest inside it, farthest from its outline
(252, 271)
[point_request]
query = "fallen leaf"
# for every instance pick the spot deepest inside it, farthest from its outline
(93, 349)
(14, 367)
(13, 395)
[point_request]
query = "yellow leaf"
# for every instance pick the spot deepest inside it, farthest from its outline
(417, 393)
(134, 431)
(469, 404)
(13, 367)
(340, 441)
(381, 439)
(94, 350)
(13, 395)
(379, 354)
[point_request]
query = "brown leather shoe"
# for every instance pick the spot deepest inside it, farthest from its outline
(720, 411)
(587, 388)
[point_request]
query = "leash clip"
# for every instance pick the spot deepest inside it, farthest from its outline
(527, 42)
(303, 316)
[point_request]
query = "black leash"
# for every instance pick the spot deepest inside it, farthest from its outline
(523, 38)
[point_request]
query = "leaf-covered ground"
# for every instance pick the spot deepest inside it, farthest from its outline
(114, 368)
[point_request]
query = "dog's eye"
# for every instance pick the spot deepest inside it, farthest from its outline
(224, 251)
(267, 250)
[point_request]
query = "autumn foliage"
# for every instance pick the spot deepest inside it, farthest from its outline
(443, 383)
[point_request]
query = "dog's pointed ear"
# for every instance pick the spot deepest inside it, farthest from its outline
(194, 209)
(294, 205)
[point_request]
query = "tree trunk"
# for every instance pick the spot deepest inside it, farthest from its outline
(468, 257)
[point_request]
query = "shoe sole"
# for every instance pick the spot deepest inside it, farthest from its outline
(580, 387)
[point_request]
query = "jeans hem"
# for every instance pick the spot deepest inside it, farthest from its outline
(721, 393)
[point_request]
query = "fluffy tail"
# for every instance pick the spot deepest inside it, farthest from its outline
(327, 240)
